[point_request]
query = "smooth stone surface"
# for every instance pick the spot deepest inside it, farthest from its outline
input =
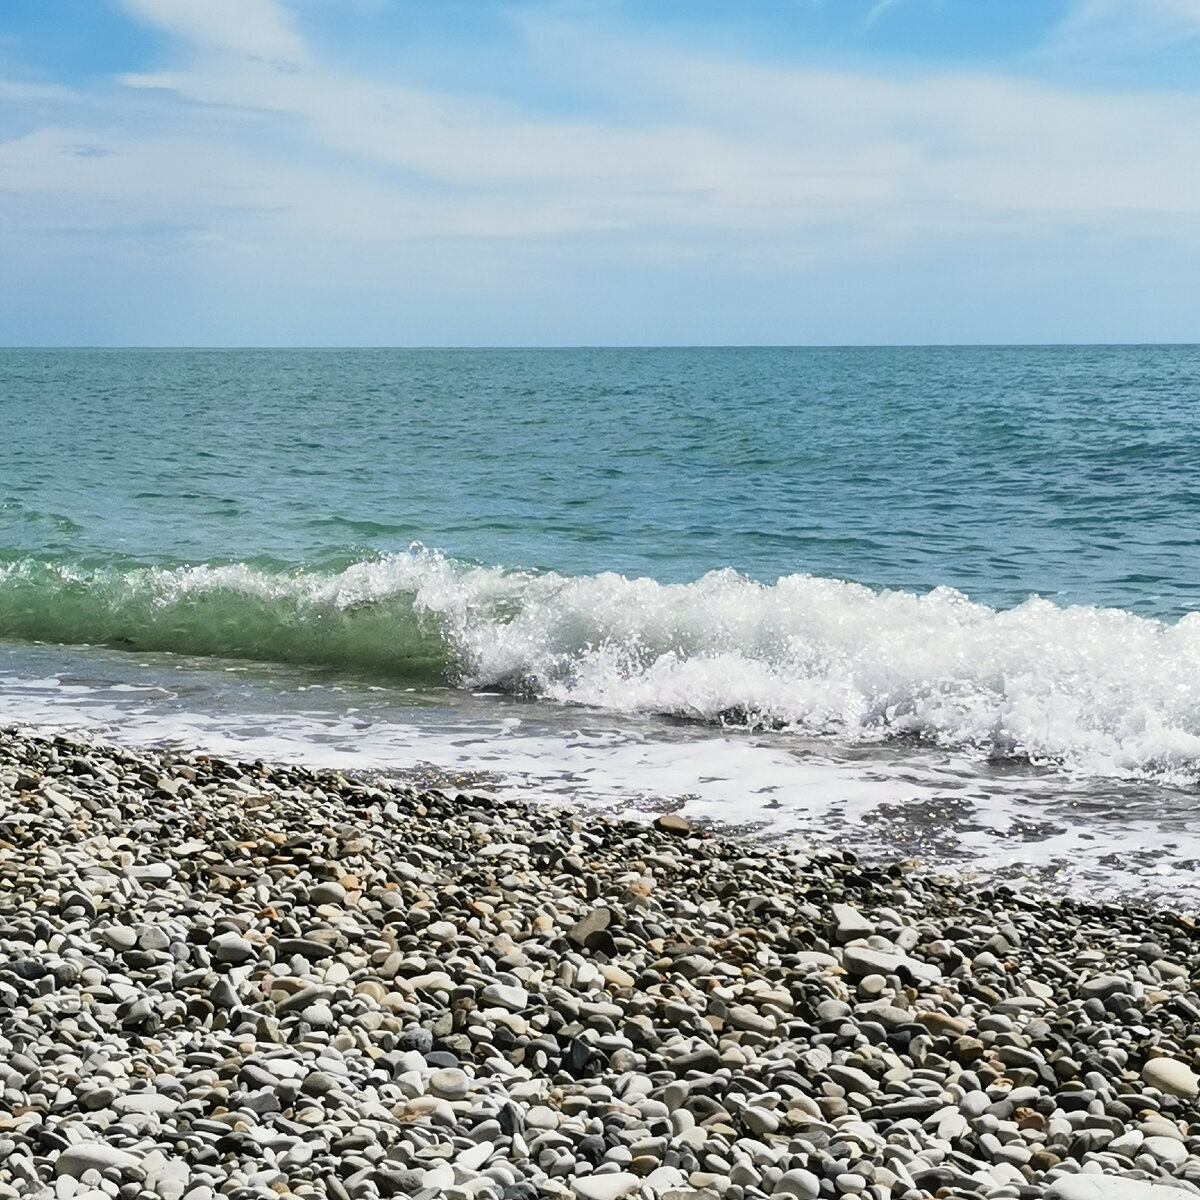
(606, 1187)
(798, 1182)
(1171, 1076)
(1109, 1187)
(863, 960)
(515, 999)
(76, 1160)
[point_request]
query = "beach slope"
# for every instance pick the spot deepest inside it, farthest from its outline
(229, 979)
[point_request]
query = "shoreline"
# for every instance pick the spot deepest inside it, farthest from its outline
(233, 979)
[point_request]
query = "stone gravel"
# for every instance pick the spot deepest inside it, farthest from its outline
(223, 979)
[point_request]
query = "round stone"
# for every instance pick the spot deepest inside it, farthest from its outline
(119, 937)
(450, 1084)
(798, 1182)
(327, 893)
(1171, 1076)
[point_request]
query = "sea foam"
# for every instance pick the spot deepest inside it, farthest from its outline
(1095, 690)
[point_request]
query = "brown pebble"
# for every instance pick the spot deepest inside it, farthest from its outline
(942, 1023)
(671, 823)
(1043, 1160)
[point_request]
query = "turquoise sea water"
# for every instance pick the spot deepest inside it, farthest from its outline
(939, 596)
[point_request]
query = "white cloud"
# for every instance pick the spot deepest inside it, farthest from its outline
(830, 162)
(258, 29)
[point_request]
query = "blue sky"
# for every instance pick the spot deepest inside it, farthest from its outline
(548, 172)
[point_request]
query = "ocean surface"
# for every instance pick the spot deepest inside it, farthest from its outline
(938, 603)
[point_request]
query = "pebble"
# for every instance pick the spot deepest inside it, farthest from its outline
(75, 1161)
(224, 979)
(1110, 1187)
(450, 1084)
(798, 1182)
(606, 1187)
(233, 949)
(1171, 1076)
(515, 999)
(119, 937)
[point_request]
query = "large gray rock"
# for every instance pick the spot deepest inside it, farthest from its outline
(93, 1156)
(860, 961)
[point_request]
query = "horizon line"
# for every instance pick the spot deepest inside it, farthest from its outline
(526, 346)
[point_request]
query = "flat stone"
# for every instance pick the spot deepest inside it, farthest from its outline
(851, 1078)
(172, 1181)
(503, 995)
(473, 1159)
(1165, 1149)
(93, 1156)
(662, 1179)
(1103, 986)
(614, 976)
(1109, 1187)
(151, 873)
(860, 961)
(327, 893)
(606, 1187)
(233, 949)
(672, 823)
(849, 923)
(154, 938)
(942, 1023)
(761, 1121)
(145, 1102)
(598, 919)
(307, 948)
(119, 937)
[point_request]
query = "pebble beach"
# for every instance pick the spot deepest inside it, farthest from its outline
(229, 979)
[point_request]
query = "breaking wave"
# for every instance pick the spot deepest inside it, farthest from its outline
(1097, 690)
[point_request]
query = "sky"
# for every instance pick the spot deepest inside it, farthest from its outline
(598, 172)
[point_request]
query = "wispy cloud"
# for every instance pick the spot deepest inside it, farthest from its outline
(745, 146)
(248, 137)
(257, 29)
(1120, 28)
(877, 10)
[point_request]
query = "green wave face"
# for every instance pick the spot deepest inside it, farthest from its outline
(232, 611)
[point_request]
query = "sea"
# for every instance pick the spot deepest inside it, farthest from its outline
(929, 603)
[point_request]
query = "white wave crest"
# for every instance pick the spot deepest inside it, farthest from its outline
(1099, 690)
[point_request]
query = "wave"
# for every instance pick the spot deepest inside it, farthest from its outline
(1092, 689)
(353, 619)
